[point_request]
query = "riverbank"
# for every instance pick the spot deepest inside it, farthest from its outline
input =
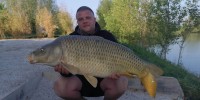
(189, 82)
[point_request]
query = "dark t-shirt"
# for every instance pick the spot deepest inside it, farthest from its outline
(87, 89)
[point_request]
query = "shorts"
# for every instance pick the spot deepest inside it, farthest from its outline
(87, 89)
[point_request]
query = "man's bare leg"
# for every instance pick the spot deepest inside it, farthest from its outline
(114, 88)
(68, 88)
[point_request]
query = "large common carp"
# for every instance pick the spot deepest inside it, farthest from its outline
(94, 56)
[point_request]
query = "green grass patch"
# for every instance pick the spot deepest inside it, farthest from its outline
(189, 82)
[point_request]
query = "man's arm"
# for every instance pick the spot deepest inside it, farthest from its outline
(64, 72)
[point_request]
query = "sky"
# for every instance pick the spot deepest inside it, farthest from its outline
(71, 6)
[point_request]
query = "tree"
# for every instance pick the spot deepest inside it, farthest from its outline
(64, 22)
(122, 20)
(21, 17)
(29, 7)
(127, 19)
(44, 23)
(190, 23)
(103, 11)
(18, 23)
(3, 21)
(145, 38)
(164, 22)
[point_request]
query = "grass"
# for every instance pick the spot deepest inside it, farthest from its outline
(189, 82)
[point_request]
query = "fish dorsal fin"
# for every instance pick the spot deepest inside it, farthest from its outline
(92, 80)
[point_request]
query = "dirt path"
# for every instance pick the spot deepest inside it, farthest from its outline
(14, 68)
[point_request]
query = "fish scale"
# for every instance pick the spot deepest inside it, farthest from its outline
(94, 56)
(104, 55)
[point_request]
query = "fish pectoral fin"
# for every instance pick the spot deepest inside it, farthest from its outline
(128, 74)
(92, 80)
(71, 68)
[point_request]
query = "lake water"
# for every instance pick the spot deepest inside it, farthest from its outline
(190, 54)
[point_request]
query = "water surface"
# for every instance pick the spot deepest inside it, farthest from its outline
(190, 54)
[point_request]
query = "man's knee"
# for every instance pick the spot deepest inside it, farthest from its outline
(114, 88)
(123, 83)
(68, 87)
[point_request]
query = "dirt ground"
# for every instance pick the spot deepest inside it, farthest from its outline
(14, 68)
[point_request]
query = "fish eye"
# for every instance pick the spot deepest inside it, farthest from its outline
(42, 50)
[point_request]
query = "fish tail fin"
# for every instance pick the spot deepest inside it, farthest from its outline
(150, 84)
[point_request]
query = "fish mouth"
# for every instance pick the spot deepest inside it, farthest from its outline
(30, 59)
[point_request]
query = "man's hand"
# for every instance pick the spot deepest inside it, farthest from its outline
(114, 76)
(59, 68)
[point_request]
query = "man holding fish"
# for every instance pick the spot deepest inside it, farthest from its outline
(73, 87)
(92, 63)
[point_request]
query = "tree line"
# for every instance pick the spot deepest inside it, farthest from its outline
(149, 23)
(146, 23)
(33, 18)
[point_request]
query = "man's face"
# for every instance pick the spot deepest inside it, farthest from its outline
(86, 21)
